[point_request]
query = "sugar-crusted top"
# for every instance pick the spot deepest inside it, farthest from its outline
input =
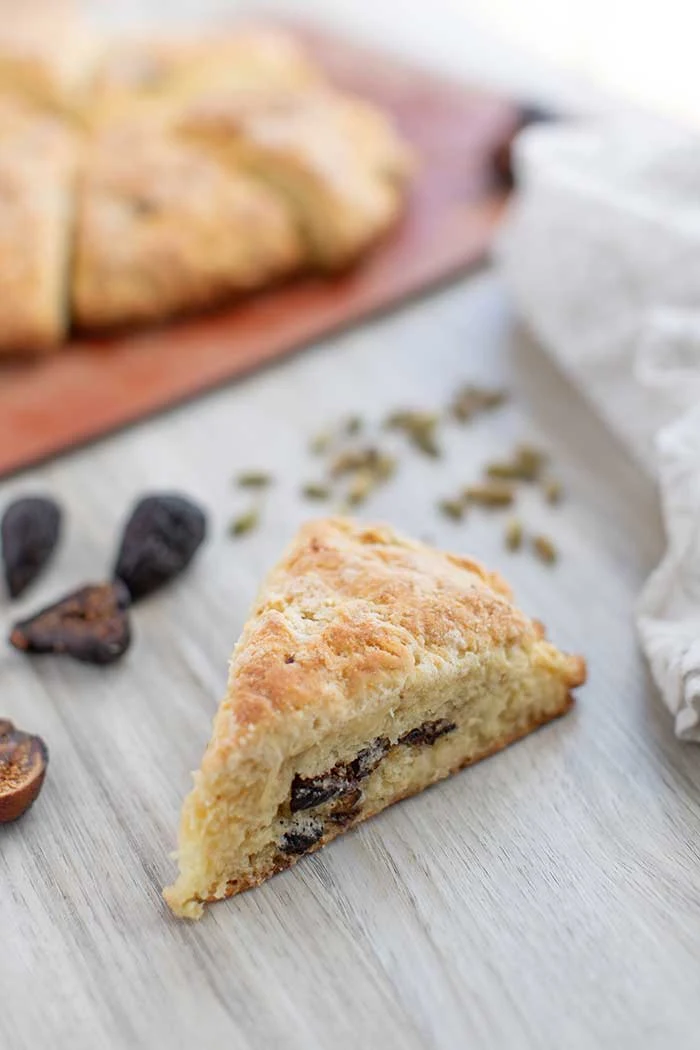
(354, 611)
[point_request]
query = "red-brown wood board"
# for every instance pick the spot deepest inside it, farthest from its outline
(93, 386)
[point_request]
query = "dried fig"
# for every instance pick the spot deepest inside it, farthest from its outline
(91, 624)
(30, 531)
(314, 791)
(160, 539)
(427, 733)
(301, 838)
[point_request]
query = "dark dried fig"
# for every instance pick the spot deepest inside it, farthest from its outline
(369, 758)
(91, 624)
(30, 530)
(347, 808)
(314, 791)
(427, 733)
(159, 541)
(23, 762)
(302, 838)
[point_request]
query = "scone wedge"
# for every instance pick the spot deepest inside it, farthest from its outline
(162, 230)
(371, 667)
(335, 160)
(38, 159)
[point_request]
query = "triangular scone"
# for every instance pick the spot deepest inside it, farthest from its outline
(37, 172)
(155, 76)
(161, 230)
(336, 160)
(371, 667)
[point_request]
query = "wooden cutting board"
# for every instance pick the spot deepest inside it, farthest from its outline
(94, 386)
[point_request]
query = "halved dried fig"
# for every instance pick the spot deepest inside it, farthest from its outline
(23, 762)
(91, 624)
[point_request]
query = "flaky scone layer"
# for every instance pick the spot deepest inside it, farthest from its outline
(370, 667)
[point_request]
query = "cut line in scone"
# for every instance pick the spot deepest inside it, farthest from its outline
(335, 160)
(162, 229)
(371, 667)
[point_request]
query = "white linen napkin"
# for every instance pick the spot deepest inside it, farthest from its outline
(601, 250)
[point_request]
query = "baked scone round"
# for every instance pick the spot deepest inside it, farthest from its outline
(185, 172)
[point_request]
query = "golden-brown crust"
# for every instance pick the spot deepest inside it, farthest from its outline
(335, 159)
(350, 605)
(282, 862)
(161, 229)
(37, 163)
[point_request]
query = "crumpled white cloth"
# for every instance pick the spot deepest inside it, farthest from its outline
(601, 250)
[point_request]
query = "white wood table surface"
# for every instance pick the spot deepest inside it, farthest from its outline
(546, 898)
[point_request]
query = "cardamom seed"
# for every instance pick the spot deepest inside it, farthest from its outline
(409, 418)
(514, 535)
(371, 459)
(254, 479)
(544, 549)
(321, 443)
(425, 441)
(525, 465)
(384, 466)
(502, 471)
(419, 427)
(470, 400)
(553, 491)
(360, 488)
(315, 490)
(347, 461)
(245, 522)
(490, 494)
(452, 508)
(529, 461)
